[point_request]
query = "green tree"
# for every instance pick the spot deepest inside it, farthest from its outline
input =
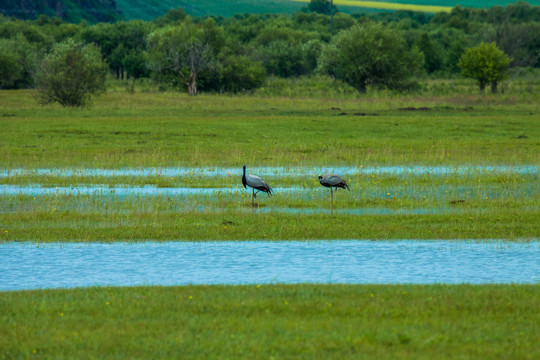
(370, 54)
(240, 73)
(486, 64)
(71, 74)
(432, 53)
(174, 16)
(184, 52)
(321, 7)
(18, 59)
(134, 62)
(282, 58)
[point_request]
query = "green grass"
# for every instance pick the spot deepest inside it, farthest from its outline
(389, 5)
(162, 220)
(273, 321)
(151, 129)
(170, 129)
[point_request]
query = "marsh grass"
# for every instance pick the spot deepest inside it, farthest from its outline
(164, 129)
(119, 222)
(290, 321)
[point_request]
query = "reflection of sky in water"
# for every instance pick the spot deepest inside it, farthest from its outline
(492, 191)
(32, 266)
(277, 171)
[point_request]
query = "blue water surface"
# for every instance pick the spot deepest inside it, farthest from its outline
(60, 265)
(277, 171)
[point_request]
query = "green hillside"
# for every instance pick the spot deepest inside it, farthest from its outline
(69, 10)
(148, 9)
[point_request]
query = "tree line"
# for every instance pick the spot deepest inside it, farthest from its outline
(384, 50)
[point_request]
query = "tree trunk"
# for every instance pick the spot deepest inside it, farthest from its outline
(494, 87)
(362, 88)
(482, 86)
(192, 86)
(133, 85)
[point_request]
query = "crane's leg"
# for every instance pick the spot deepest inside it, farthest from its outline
(332, 200)
(253, 198)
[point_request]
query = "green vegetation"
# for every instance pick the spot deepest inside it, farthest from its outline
(238, 54)
(69, 10)
(286, 112)
(149, 9)
(384, 5)
(369, 54)
(281, 321)
(71, 74)
(168, 129)
(181, 53)
(486, 64)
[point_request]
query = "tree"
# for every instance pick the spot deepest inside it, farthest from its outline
(71, 74)
(185, 51)
(370, 54)
(486, 64)
(18, 59)
(282, 58)
(432, 53)
(240, 73)
(134, 62)
(322, 7)
(174, 16)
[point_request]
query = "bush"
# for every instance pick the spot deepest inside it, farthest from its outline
(17, 63)
(71, 74)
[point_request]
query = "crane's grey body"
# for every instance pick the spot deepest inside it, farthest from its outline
(255, 183)
(333, 181)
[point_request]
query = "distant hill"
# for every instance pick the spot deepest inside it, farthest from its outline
(112, 10)
(68, 10)
(149, 9)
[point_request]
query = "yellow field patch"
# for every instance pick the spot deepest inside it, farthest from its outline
(390, 6)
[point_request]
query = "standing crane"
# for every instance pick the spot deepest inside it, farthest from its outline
(255, 183)
(333, 181)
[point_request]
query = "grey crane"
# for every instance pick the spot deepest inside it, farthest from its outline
(255, 183)
(333, 181)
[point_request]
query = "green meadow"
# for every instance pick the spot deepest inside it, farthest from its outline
(153, 129)
(451, 125)
(157, 130)
(273, 322)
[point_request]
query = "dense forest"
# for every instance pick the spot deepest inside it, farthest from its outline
(239, 53)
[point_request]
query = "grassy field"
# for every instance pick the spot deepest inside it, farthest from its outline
(171, 129)
(154, 130)
(273, 322)
(383, 5)
(157, 130)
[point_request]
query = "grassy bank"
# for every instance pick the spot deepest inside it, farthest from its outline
(273, 321)
(57, 226)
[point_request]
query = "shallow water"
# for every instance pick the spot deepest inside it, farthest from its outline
(426, 192)
(275, 171)
(36, 266)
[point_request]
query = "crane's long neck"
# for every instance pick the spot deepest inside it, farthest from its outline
(244, 182)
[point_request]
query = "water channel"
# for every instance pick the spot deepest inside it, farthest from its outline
(64, 265)
(276, 171)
